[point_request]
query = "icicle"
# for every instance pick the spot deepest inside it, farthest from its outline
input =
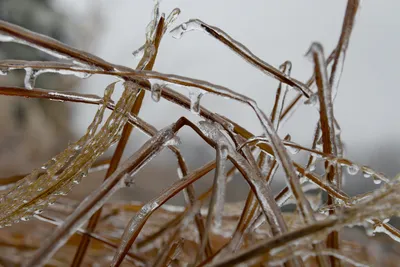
(312, 100)
(30, 78)
(156, 90)
(195, 97)
(138, 53)
(293, 150)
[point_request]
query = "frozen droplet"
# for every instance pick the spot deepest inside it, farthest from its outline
(190, 25)
(224, 151)
(377, 180)
(312, 100)
(353, 169)
(312, 167)
(175, 141)
(180, 173)
(369, 230)
(195, 97)
(156, 90)
(367, 174)
(25, 218)
(3, 71)
(4, 37)
(38, 211)
(30, 78)
(292, 149)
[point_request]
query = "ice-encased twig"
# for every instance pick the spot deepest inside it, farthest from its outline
(244, 52)
(216, 205)
(35, 191)
(327, 126)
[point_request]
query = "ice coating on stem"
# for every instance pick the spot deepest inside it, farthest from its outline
(35, 68)
(79, 74)
(138, 53)
(343, 43)
(27, 189)
(216, 206)
(220, 183)
(152, 26)
(47, 45)
(379, 228)
(171, 18)
(325, 96)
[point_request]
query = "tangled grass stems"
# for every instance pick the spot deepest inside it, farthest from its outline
(231, 142)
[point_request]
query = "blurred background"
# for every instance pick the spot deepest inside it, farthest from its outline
(366, 105)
